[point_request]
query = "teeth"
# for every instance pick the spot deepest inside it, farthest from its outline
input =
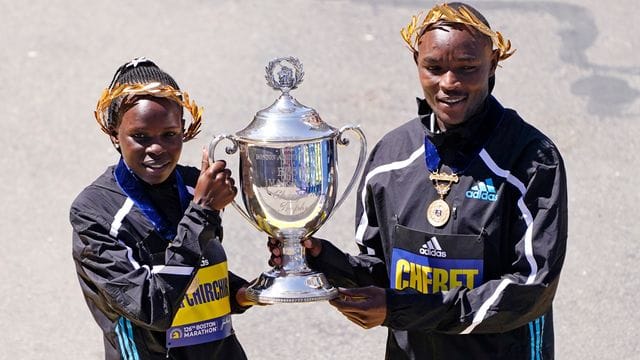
(452, 100)
(155, 166)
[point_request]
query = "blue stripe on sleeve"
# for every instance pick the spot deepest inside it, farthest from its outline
(531, 338)
(134, 350)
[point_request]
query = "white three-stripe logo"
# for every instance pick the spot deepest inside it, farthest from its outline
(433, 244)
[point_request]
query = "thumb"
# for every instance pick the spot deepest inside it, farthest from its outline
(205, 161)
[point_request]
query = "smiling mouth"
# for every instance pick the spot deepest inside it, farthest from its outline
(155, 166)
(452, 100)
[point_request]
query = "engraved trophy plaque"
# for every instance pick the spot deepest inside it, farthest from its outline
(288, 181)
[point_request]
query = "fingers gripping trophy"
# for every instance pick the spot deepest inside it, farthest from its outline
(289, 179)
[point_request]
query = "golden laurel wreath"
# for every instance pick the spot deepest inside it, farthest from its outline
(153, 89)
(444, 12)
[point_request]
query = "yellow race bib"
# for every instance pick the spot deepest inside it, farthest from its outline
(205, 312)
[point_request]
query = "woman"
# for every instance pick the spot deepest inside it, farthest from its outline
(147, 233)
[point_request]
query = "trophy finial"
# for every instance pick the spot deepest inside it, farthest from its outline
(286, 79)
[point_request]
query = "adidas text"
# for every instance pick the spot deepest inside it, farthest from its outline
(433, 252)
(481, 195)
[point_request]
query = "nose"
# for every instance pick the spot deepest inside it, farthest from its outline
(449, 81)
(155, 148)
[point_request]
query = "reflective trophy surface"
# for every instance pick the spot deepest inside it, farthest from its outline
(288, 179)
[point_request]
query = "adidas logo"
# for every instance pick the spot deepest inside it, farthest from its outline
(483, 191)
(432, 248)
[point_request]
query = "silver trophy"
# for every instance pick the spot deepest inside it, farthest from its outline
(288, 180)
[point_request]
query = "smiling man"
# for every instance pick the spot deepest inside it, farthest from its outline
(453, 66)
(462, 212)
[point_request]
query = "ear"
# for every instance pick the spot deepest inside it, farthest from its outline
(495, 55)
(114, 140)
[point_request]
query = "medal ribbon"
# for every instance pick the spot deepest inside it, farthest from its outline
(131, 185)
(461, 161)
(432, 158)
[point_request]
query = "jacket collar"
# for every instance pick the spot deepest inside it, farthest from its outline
(135, 189)
(460, 144)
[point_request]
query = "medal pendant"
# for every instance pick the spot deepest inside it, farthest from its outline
(438, 213)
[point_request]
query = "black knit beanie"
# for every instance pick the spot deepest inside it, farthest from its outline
(137, 71)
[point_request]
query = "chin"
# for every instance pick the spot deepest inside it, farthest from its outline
(450, 119)
(154, 179)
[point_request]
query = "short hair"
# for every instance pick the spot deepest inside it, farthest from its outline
(457, 6)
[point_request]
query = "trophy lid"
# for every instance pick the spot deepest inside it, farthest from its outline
(286, 120)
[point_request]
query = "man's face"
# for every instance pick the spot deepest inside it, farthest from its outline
(454, 66)
(150, 138)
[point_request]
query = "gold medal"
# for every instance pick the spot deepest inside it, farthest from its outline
(438, 211)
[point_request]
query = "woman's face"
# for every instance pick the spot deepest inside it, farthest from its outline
(150, 137)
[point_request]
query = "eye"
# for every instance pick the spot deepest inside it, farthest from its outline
(434, 69)
(139, 136)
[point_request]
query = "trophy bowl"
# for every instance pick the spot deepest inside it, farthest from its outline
(288, 180)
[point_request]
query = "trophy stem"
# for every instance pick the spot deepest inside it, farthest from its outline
(293, 281)
(293, 253)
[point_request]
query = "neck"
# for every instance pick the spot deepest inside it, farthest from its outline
(437, 126)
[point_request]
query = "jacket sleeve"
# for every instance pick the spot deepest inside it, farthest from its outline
(368, 268)
(538, 234)
(116, 282)
(235, 283)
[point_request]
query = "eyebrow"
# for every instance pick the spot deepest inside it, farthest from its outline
(144, 129)
(435, 60)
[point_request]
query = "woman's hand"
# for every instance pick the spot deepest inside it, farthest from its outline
(241, 297)
(243, 300)
(215, 188)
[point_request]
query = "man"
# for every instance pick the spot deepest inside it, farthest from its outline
(462, 212)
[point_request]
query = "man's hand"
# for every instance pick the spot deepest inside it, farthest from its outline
(215, 187)
(365, 306)
(312, 246)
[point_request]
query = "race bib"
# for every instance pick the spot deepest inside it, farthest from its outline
(205, 312)
(432, 263)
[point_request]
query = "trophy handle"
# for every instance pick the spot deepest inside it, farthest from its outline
(361, 159)
(230, 150)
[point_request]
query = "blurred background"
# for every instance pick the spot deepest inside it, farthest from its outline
(575, 76)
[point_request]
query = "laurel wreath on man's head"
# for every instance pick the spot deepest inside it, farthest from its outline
(411, 34)
(154, 89)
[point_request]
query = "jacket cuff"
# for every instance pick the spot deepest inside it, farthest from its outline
(329, 255)
(410, 310)
(211, 216)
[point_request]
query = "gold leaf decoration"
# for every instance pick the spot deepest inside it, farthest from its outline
(411, 33)
(154, 89)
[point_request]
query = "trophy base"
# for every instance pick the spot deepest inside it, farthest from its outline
(276, 286)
